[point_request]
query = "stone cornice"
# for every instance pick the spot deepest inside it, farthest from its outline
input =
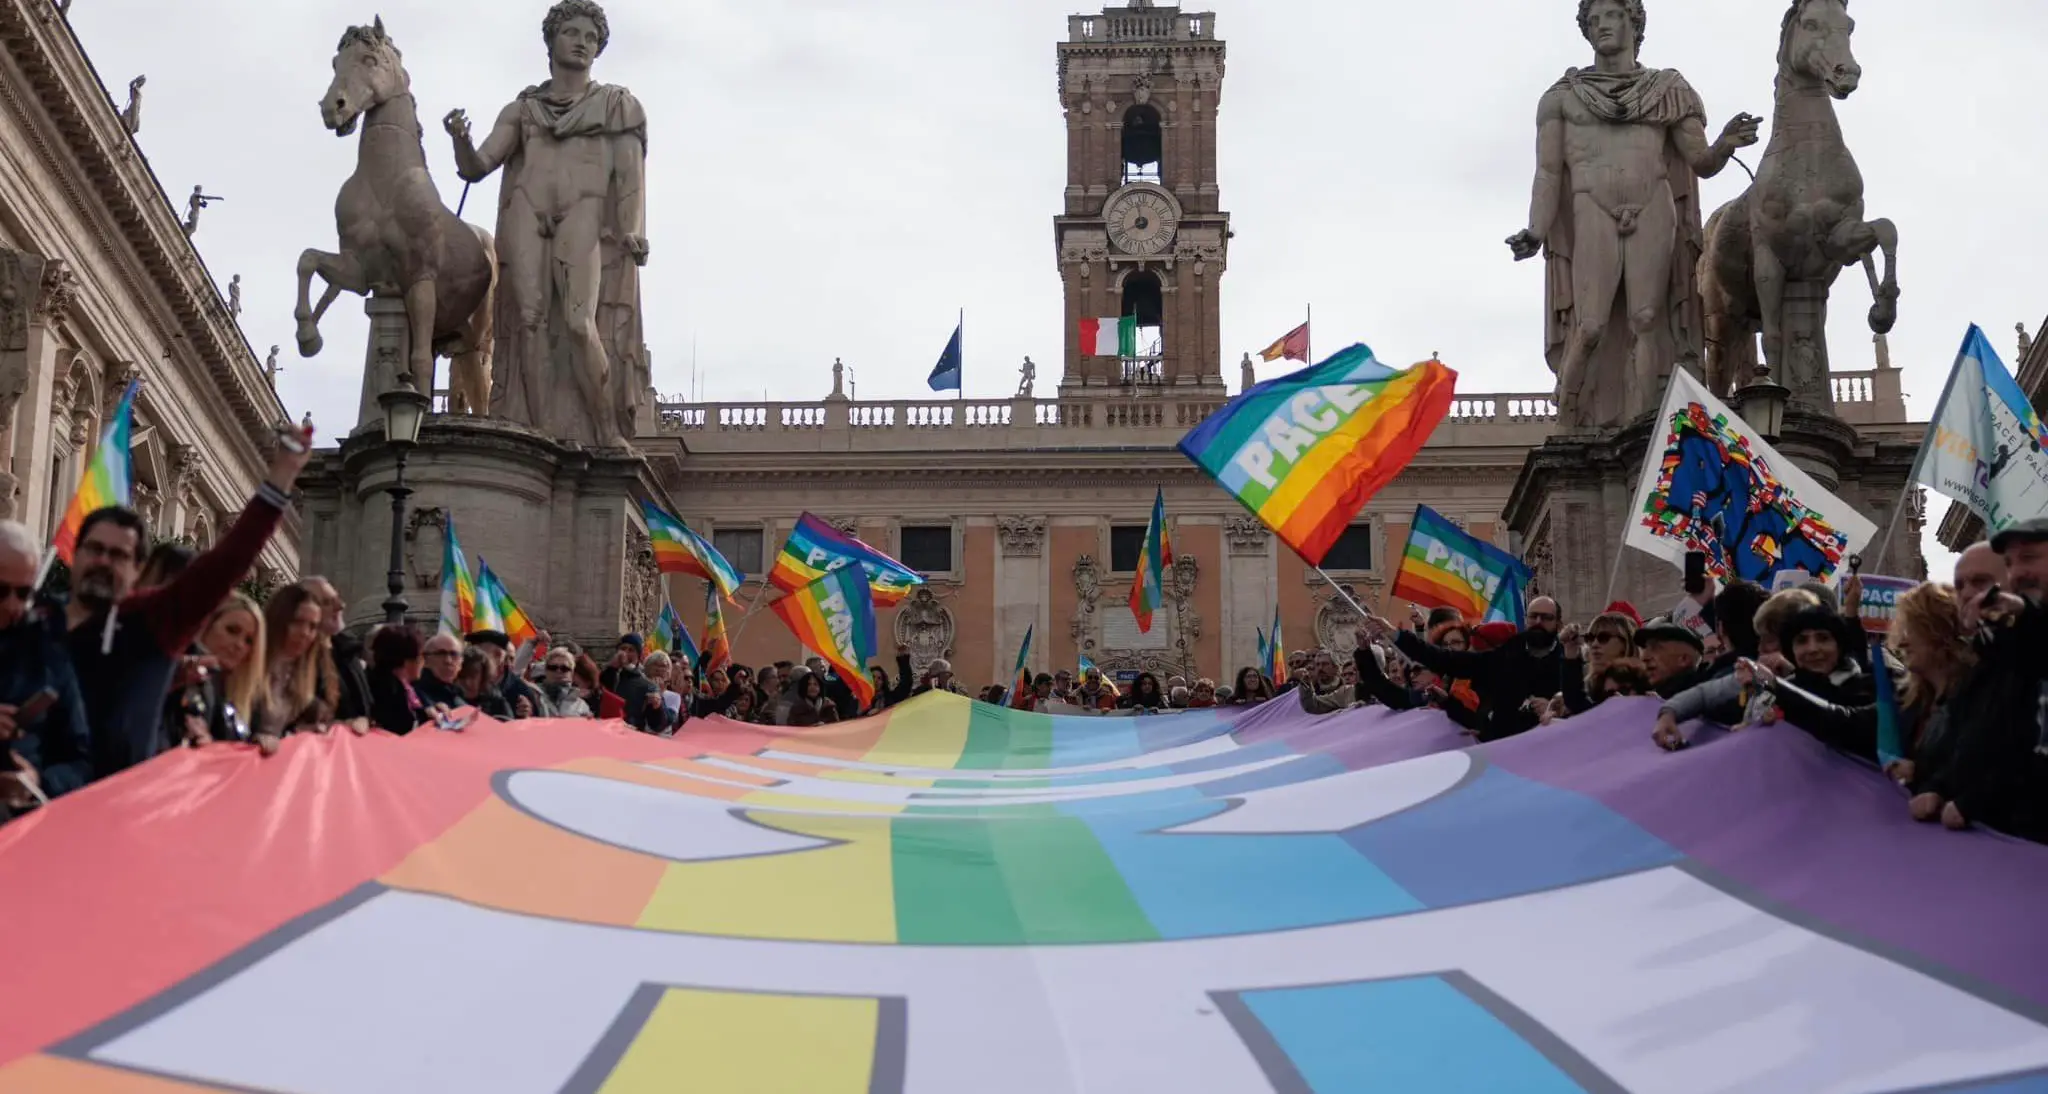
(109, 185)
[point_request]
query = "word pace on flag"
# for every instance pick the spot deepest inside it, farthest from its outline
(815, 548)
(1445, 567)
(1305, 452)
(1711, 484)
(834, 617)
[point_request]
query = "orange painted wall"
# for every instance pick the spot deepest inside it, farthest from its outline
(1205, 542)
(1067, 546)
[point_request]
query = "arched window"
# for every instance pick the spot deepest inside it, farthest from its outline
(1144, 144)
(1144, 301)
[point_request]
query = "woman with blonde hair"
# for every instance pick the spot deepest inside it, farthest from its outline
(1927, 635)
(299, 693)
(228, 659)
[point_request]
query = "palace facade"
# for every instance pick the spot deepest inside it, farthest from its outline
(100, 285)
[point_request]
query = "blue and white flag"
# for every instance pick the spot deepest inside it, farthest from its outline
(947, 373)
(1984, 446)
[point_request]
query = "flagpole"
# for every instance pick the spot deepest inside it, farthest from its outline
(734, 641)
(1891, 529)
(960, 392)
(1308, 348)
(1621, 548)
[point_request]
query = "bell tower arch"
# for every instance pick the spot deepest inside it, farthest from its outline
(1142, 238)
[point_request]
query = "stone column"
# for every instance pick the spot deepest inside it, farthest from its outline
(1248, 591)
(46, 399)
(1021, 584)
(384, 359)
(21, 284)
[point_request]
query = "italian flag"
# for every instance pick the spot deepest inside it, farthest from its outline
(1110, 337)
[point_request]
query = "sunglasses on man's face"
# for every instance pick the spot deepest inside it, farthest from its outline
(23, 593)
(561, 668)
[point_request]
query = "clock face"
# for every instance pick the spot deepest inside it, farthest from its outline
(1141, 222)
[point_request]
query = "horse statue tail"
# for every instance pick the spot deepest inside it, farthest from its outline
(469, 372)
(1727, 348)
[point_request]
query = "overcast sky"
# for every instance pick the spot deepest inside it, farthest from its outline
(837, 178)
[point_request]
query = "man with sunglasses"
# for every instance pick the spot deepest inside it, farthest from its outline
(1513, 680)
(49, 753)
(126, 644)
(436, 685)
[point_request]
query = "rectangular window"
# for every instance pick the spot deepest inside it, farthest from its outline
(929, 549)
(1353, 550)
(1087, 28)
(1126, 543)
(1194, 28)
(741, 547)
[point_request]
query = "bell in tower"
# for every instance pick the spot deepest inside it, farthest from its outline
(1142, 239)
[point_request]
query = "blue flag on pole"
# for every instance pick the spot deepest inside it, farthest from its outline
(1985, 446)
(946, 374)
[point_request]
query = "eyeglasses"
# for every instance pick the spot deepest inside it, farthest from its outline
(94, 549)
(1542, 617)
(23, 593)
(1606, 636)
(444, 653)
(561, 668)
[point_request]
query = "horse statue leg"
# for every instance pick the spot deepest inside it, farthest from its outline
(1884, 295)
(469, 369)
(343, 274)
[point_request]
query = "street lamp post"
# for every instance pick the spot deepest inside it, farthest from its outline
(404, 410)
(1762, 404)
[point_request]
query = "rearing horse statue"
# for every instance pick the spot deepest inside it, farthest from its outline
(1789, 236)
(397, 238)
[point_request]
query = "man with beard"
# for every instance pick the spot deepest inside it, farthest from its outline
(51, 752)
(349, 663)
(124, 644)
(1513, 680)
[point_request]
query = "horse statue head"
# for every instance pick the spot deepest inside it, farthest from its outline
(367, 73)
(1813, 47)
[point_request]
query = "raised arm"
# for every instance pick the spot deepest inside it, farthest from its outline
(475, 164)
(1449, 664)
(1707, 160)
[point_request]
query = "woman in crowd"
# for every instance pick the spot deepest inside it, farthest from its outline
(1252, 688)
(230, 648)
(1145, 694)
(473, 680)
(878, 678)
(742, 708)
(397, 657)
(1456, 698)
(1202, 695)
(301, 687)
(559, 687)
(808, 706)
(589, 681)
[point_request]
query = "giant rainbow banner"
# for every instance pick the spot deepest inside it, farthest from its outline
(959, 898)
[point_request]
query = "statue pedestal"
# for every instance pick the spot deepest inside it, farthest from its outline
(1575, 500)
(384, 360)
(559, 525)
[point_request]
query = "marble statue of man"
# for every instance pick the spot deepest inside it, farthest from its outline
(1620, 149)
(571, 238)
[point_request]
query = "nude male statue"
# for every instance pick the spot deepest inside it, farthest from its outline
(1616, 210)
(571, 232)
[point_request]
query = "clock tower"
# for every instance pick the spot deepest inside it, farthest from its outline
(1143, 236)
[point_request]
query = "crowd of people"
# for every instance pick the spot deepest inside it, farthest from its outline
(152, 650)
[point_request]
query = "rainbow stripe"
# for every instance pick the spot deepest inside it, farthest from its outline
(1443, 567)
(677, 550)
(672, 638)
(815, 548)
(717, 652)
(1306, 452)
(834, 617)
(1020, 681)
(1276, 666)
(1148, 586)
(458, 589)
(109, 477)
(497, 611)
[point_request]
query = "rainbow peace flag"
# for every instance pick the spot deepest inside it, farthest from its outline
(109, 477)
(815, 548)
(1444, 567)
(458, 589)
(834, 617)
(717, 653)
(958, 898)
(677, 550)
(1020, 681)
(497, 611)
(1276, 664)
(672, 638)
(1305, 452)
(1148, 585)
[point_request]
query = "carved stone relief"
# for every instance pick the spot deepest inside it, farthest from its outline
(426, 539)
(926, 626)
(1247, 535)
(1087, 589)
(1187, 572)
(147, 502)
(1023, 537)
(1539, 558)
(847, 526)
(60, 292)
(1337, 623)
(641, 605)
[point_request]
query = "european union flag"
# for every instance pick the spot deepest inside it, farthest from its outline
(946, 375)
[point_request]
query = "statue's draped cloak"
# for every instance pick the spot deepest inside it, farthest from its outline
(1645, 96)
(541, 391)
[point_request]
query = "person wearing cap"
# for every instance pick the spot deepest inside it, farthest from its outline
(640, 697)
(508, 675)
